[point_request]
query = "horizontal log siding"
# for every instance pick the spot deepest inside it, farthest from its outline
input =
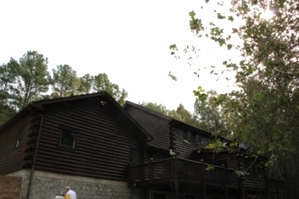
(102, 148)
(156, 126)
(253, 181)
(231, 159)
(11, 158)
(184, 149)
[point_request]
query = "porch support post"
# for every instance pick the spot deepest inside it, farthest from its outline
(225, 183)
(226, 193)
(243, 193)
(176, 187)
(176, 179)
(204, 187)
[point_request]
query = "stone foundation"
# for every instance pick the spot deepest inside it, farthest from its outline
(47, 185)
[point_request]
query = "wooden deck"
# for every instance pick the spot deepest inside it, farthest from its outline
(179, 172)
(183, 171)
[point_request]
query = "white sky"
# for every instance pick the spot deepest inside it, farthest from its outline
(128, 40)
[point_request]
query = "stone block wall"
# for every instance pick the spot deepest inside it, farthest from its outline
(10, 187)
(47, 185)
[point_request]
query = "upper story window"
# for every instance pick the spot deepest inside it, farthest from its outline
(253, 168)
(191, 137)
(67, 138)
(19, 137)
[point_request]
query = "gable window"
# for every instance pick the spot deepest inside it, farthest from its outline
(191, 137)
(67, 139)
(19, 138)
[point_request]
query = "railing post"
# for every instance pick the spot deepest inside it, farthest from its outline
(242, 187)
(176, 180)
(267, 186)
(204, 189)
(151, 171)
(225, 182)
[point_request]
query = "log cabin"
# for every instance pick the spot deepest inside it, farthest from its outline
(179, 165)
(85, 142)
(103, 150)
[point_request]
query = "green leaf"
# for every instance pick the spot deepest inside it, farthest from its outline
(219, 16)
(230, 18)
(192, 14)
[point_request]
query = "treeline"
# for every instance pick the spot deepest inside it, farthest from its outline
(29, 79)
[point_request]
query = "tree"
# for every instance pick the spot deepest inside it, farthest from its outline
(263, 110)
(101, 82)
(29, 80)
(64, 81)
(159, 108)
(207, 111)
(7, 80)
(183, 115)
(86, 82)
(180, 113)
(32, 78)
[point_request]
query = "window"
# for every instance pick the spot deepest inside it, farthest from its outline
(67, 139)
(136, 156)
(191, 137)
(253, 168)
(19, 137)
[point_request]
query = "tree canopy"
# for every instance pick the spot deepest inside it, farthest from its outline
(180, 113)
(263, 109)
(28, 79)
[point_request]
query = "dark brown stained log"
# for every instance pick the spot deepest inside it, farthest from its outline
(30, 147)
(31, 140)
(103, 139)
(185, 149)
(28, 156)
(167, 132)
(258, 180)
(32, 133)
(155, 124)
(34, 124)
(172, 139)
(11, 157)
(212, 158)
(27, 164)
(105, 134)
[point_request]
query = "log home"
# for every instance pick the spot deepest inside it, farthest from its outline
(178, 165)
(103, 150)
(85, 142)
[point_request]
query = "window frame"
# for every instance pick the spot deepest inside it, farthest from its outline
(192, 138)
(63, 138)
(19, 139)
(136, 156)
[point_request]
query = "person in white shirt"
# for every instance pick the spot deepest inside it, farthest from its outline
(70, 194)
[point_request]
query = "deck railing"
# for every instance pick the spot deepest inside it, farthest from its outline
(182, 170)
(276, 184)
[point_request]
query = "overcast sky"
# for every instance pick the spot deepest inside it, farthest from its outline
(128, 40)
